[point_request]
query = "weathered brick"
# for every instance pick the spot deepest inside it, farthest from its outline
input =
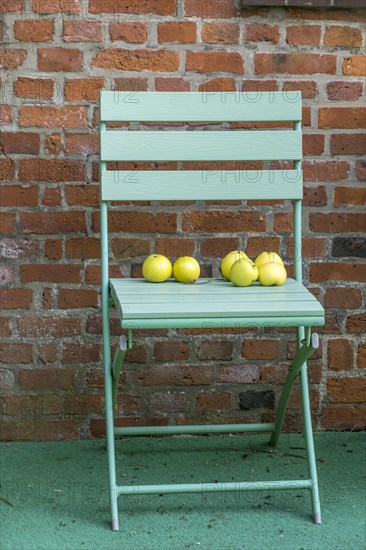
(51, 197)
(220, 33)
(52, 222)
(172, 85)
(315, 196)
(295, 63)
(360, 170)
(181, 31)
(34, 87)
(347, 390)
(136, 354)
(176, 376)
(33, 31)
(16, 298)
(171, 351)
(344, 91)
(343, 418)
(157, 7)
(82, 195)
(59, 59)
(134, 32)
(259, 32)
(7, 379)
(340, 354)
(131, 84)
(19, 143)
(361, 356)
(303, 35)
(16, 353)
(12, 59)
(344, 37)
(215, 350)
(355, 65)
(80, 353)
(50, 273)
(343, 297)
(238, 374)
(337, 271)
(48, 353)
(7, 222)
(19, 195)
(308, 88)
(77, 298)
(56, 6)
(53, 117)
(82, 31)
(313, 144)
(82, 248)
(334, 222)
(356, 322)
(327, 170)
(349, 246)
(348, 144)
(137, 60)
(342, 117)
(168, 402)
(48, 327)
(213, 401)
(47, 379)
(81, 144)
(260, 349)
(212, 62)
(51, 170)
(18, 248)
(6, 114)
(11, 6)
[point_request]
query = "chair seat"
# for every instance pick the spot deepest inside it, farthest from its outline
(210, 301)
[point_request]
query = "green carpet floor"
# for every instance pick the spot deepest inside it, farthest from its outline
(59, 494)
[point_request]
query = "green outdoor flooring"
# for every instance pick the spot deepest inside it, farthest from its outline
(59, 493)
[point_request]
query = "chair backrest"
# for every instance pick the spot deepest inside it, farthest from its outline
(283, 142)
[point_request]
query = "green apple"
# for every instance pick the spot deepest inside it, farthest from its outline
(267, 257)
(243, 272)
(272, 273)
(229, 260)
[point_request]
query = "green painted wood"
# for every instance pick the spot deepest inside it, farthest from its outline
(194, 429)
(200, 145)
(200, 106)
(201, 185)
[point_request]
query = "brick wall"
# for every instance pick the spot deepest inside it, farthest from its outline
(58, 54)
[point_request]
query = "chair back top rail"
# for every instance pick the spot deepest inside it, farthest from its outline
(200, 106)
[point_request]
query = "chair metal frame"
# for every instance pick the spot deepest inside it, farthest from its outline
(117, 185)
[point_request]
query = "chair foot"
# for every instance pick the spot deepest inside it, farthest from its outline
(115, 525)
(317, 518)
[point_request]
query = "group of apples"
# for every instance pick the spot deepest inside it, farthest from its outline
(236, 267)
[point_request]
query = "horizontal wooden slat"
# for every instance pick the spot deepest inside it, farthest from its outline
(201, 185)
(200, 106)
(137, 299)
(198, 145)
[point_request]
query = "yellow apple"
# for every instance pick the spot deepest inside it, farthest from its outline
(272, 273)
(243, 272)
(229, 260)
(156, 268)
(186, 269)
(267, 257)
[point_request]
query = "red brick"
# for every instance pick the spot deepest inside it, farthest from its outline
(343, 297)
(176, 376)
(348, 144)
(158, 7)
(344, 37)
(53, 249)
(11, 6)
(18, 195)
(93, 274)
(171, 351)
(334, 222)
(82, 195)
(213, 401)
(5, 331)
(303, 35)
(82, 247)
(131, 248)
(137, 60)
(34, 87)
(361, 356)
(56, 6)
(222, 9)
(136, 354)
(308, 88)
(51, 197)
(139, 222)
(6, 114)
(218, 247)
(172, 85)
(51, 170)
(183, 32)
(59, 59)
(355, 65)
(220, 33)
(50, 273)
(340, 354)
(82, 31)
(134, 32)
(81, 144)
(344, 91)
(259, 86)
(313, 144)
(215, 350)
(220, 84)
(259, 32)
(16, 298)
(77, 298)
(48, 327)
(16, 353)
(80, 353)
(337, 271)
(352, 196)
(342, 117)
(295, 63)
(360, 170)
(47, 379)
(7, 222)
(260, 349)
(311, 247)
(212, 62)
(53, 117)
(131, 84)
(219, 221)
(315, 196)
(52, 222)
(283, 222)
(12, 59)
(347, 390)
(325, 15)
(343, 418)
(48, 353)
(19, 142)
(84, 89)
(33, 31)
(256, 245)
(327, 170)
(356, 323)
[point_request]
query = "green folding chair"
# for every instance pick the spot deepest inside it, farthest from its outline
(143, 305)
